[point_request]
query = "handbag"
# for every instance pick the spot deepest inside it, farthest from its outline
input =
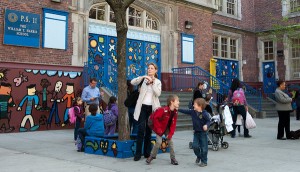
(239, 120)
(109, 118)
(250, 124)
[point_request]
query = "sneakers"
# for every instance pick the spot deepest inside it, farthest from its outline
(197, 161)
(149, 159)
(203, 164)
(174, 161)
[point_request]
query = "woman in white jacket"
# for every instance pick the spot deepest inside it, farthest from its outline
(147, 102)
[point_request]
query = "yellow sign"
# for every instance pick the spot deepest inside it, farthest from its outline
(213, 82)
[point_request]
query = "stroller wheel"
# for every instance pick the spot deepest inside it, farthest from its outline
(225, 145)
(215, 147)
(191, 145)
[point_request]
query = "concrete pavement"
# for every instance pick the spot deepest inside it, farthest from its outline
(50, 151)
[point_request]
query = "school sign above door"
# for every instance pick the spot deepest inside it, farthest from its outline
(21, 28)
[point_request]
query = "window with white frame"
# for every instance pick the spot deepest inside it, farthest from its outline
(135, 17)
(295, 6)
(229, 8)
(268, 50)
(295, 58)
(225, 47)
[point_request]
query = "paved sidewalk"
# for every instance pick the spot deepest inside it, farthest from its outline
(54, 151)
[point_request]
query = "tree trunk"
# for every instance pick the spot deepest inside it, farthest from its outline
(119, 7)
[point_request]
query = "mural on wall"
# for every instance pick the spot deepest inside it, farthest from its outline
(114, 148)
(69, 98)
(104, 146)
(20, 79)
(25, 107)
(32, 102)
(6, 101)
(3, 74)
(55, 99)
(227, 70)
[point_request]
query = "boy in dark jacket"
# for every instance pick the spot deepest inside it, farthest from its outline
(164, 123)
(201, 122)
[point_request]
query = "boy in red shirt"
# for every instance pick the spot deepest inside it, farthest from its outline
(164, 123)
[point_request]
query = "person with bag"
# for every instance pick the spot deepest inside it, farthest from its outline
(76, 115)
(147, 102)
(237, 97)
(164, 123)
(283, 107)
(198, 93)
(111, 116)
(94, 126)
(130, 102)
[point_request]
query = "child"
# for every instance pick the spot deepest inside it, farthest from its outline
(94, 126)
(164, 123)
(78, 110)
(201, 122)
(112, 106)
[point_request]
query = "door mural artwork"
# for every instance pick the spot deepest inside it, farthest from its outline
(102, 59)
(227, 70)
(269, 80)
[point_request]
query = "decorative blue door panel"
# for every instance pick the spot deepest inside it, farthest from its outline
(227, 70)
(269, 79)
(135, 58)
(102, 59)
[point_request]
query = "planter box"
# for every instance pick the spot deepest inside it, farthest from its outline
(110, 146)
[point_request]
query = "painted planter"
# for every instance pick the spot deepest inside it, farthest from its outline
(110, 146)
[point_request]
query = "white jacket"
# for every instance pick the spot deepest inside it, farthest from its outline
(228, 119)
(156, 93)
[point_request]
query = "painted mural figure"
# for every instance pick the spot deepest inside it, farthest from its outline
(55, 100)
(69, 97)
(32, 100)
(6, 101)
(45, 83)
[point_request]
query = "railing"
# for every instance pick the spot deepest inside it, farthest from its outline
(96, 70)
(187, 77)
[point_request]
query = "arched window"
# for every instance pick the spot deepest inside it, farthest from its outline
(136, 17)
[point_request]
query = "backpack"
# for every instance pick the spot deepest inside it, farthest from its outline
(295, 134)
(109, 118)
(72, 115)
(238, 97)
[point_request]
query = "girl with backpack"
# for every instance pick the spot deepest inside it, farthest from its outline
(78, 114)
(112, 111)
(236, 96)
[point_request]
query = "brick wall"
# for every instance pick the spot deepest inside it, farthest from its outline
(35, 55)
(201, 29)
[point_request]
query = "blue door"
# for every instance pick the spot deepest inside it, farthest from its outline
(269, 80)
(227, 70)
(102, 59)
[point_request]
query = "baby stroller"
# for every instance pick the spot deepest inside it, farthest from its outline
(216, 132)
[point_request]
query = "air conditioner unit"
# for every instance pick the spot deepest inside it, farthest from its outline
(296, 75)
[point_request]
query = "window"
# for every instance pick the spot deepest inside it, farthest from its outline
(268, 50)
(295, 58)
(295, 5)
(233, 48)
(225, 47)
(97, 13)
(229, 8)
(55, 29)
(136, 17)
(215, 45)
(151, 23)
(219, 4)
(187, 48)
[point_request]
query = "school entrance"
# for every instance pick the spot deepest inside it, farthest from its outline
(227, 70)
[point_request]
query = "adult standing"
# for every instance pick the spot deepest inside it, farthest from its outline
(91, 95)
(237, 97)
(283, 107)
(199, 91)
(147, 102)
(130, 102)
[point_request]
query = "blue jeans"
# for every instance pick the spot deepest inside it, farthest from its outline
(77, 126)
(132, 121)
(200, 145)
